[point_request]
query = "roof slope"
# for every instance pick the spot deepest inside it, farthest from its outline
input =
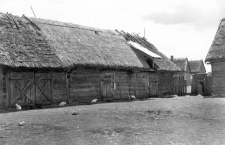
(217, 50)
(32, 42)
(182, 63)
(164, 63)
(197, 66)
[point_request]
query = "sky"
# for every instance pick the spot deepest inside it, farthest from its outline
(182, 28)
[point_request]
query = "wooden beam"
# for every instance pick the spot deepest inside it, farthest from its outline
(68, 87)
(51, 87)
(8, 95)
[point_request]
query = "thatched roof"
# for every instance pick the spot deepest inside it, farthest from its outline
(182, 63)
(217, 50)
(197, 66)
(38, 43)
(163, 64)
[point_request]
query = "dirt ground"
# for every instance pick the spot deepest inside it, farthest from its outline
(172, 121)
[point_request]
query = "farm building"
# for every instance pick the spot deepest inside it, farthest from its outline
(201, 83)
(182, 80)
(46, 62)
(216, 57)
(197, 66)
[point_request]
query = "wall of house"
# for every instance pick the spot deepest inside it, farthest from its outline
(165, 83)
(218, 77)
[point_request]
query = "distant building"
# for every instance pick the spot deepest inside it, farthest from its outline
(199, 80)
(197, 66)
(183, 64)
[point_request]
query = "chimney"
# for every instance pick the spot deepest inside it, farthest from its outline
(171, 57)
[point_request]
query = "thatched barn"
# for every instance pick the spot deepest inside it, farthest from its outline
(46, 62)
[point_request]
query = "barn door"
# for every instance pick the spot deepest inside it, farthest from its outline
(43, 88)
(107, 86)
(27, 88)
(21, 88)
(153, 86)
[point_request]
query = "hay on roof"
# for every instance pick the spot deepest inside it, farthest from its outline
(45, 43)
(182, 63)
(216, 52)
(196, 66)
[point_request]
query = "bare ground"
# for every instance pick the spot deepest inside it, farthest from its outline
(174, 121)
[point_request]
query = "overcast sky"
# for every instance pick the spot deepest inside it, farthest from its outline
(183, 28)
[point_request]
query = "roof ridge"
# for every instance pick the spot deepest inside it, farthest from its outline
(72, 25)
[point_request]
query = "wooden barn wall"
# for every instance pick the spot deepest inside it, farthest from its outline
(165, 85)
(2, 89)
(218, 76)
(208, 90)
(128, 84)
(44, 87)
(142, 85)
(85, 85)
(125, 85)
(59, 87)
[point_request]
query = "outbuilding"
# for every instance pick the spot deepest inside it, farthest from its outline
(216, 57)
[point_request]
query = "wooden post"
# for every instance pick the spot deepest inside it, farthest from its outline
(51, 88)
(34, 84)
(8, 94)
(135, 83)
(101, 81)
(67, 88)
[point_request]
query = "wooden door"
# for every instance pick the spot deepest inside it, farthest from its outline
(27, 88)
(20, 88)
(107, 86)
(153, 88)
(43, 89)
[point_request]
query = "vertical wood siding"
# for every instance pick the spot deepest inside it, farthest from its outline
(2, 89)
(85, 85)
(165, 83)
(218, 76)
(59, 87)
